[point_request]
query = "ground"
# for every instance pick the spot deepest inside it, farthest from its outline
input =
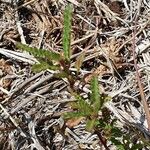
(115, 38)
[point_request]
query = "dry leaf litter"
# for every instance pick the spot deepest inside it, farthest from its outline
(31, 104)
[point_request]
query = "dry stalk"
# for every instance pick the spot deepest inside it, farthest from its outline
(142, 94)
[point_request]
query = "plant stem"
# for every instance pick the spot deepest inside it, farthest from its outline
(101, 139)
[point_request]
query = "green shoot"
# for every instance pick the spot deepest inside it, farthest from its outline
(89, 108)
(67, 32)
(40, 53)
(45, 58)
(95, 95)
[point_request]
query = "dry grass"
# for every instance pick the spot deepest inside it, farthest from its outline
(31, 104)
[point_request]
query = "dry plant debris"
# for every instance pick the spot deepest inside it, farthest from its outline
(31, 104)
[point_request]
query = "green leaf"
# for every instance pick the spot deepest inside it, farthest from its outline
(61, 75)
(40, 67)
(39, 53)
(137, 146)
(71, 115)
(101, 123)
(95, 95)
(117, 143)
(43, 66)
(79, 61)
(90, 124)
(84, 107)
(116, 132)
(67, 32)
(120, 147)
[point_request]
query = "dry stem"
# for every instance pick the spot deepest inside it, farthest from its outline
(143, 98)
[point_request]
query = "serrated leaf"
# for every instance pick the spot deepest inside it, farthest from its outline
(117, 143)
(120, 147)
(95, 95)
(61, 75)
(39, 53)
(84, 107)
(67, 32)
(43, 66)
(90, 124)
(40, 67)
(72, 115)
(101, 123)
(79, 61)
(116, 132)
(137, 146)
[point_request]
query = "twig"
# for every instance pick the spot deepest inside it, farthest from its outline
(37, 84)
(19, 89)
(136, 34)
(29, 99)
(143, 98)
(20, 56)
(12, 120)
(20, 31)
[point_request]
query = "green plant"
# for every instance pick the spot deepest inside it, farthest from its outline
(98, 118)
(52, 60)
(57, 61)
(67, 32)
(45, 57)
(89, 108)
